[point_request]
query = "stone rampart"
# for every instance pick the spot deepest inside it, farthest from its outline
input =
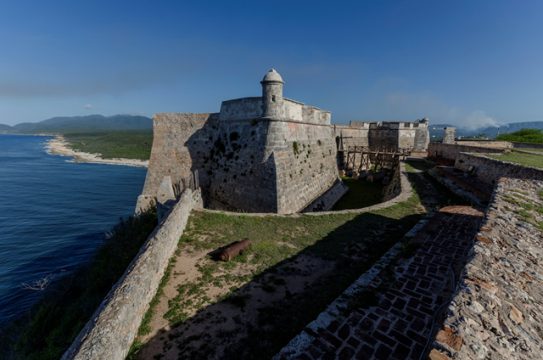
(489, 170)
(451, 151)
(179, 142)
(394, 186)
(241, 109)
(305, 161)
(114, 325)
(519, 145)
(490, 144)
(496, 313)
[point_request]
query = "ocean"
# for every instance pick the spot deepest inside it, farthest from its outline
(54, 214)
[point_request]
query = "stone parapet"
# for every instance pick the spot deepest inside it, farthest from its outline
(496, 313)
(489, 170)
(451, 151)
(114, 325)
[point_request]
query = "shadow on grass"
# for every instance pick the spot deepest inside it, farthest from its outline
(259, 318)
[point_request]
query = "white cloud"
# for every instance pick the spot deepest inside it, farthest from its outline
(87, 106)
(408, 105)
(476, 120)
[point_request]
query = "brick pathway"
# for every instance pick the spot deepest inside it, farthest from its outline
(399, 311)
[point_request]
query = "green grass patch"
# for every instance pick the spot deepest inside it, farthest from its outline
(533, 136)
(114, 144)
(524, 159)
(67, 305)
(361, 193)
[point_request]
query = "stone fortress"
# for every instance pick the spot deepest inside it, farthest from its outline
(464, 283)
(264, 154)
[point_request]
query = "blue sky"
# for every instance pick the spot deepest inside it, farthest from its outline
(463, 62)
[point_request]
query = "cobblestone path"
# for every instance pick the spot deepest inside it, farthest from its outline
(398, 313)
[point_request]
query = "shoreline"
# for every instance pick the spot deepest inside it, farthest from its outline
(59, 146)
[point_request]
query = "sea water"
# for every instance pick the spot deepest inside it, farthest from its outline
(54, 214)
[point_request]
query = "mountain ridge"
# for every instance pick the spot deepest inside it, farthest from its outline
(85, 123)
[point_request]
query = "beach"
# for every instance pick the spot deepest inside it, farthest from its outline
(59, 146)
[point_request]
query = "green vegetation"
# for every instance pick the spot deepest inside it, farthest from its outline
(67, 305)
(526, 208)
(114, 144)
(534, 136)
(525, 159)
(361, 193)
(344, 244)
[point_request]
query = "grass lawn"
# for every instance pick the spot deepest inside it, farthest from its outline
(532, 160)
(115, 144)
(253, 305)
(361, 193)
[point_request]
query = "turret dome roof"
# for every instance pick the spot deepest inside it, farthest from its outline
(272, 76)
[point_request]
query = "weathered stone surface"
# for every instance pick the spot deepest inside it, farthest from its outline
(114, 325)
(448, 338)
(263, 154)
(490, 170)
(437, 355)
(391, 310)
(504, 278)
(452, 150)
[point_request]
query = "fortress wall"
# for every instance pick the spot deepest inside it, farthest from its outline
(451, 151)
(527, 145)
(241, 109)
(490, 170)
(305, 159)
(422, 137)
(496, 313)
(383, 137)
(406, 136)
(114, 325)
(352, 136)
(315, 115)
(394, 187)
(179, 141)
(489, 144)
(291, 110)
(242, 173)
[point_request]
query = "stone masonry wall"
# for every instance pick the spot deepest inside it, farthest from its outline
(490, 170)
(451, 151)
(496, 314)
(242, 171)
(490, 144)
(179, 142)
(305, 160)
(114, 325)
(394, 187)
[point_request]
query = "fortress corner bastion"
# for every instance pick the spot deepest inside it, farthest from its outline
(258, 154)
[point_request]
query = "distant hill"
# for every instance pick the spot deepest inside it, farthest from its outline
(89, 123)
(4, 129)
(436, 131)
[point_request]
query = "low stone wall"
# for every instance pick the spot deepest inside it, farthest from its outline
(519, 145)
(489, 144)
(114, 325)
(489, 170)
(451, 151)
(394, 187)
(327, 200)
(496, 313)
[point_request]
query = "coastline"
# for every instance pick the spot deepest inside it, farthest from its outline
(59, 146)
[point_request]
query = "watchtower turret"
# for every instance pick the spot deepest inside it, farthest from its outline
(272, 94)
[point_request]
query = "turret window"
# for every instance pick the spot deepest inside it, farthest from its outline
(273, 98)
